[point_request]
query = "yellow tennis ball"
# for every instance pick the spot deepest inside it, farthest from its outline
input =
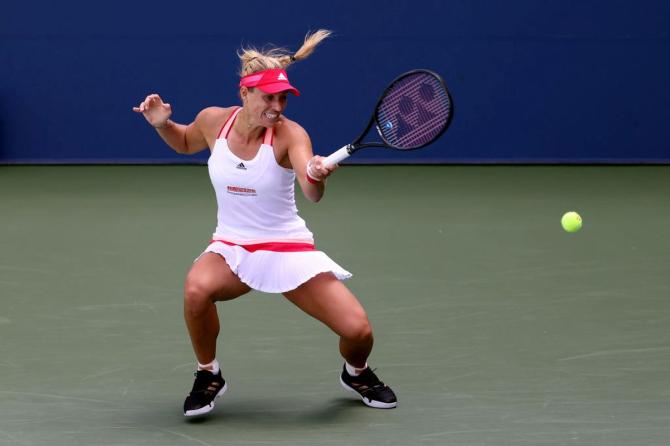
(571, 221)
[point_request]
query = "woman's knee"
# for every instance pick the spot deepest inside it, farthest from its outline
(197, 294)
(358, 329)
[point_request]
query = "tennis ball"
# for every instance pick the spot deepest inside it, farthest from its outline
(571, 221)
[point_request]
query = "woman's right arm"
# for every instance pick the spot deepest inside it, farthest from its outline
(184, 139)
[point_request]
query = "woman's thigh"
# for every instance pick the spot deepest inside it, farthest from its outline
(211, 276)
(327, 299)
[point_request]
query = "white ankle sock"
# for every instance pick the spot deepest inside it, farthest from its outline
(212, 366)
(354, 371)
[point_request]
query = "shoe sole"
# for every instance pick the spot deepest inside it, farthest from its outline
(208, 408)
(368, 402)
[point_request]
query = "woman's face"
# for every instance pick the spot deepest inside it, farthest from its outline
(264, 108)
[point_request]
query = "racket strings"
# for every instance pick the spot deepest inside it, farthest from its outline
(414, 111)
(416, 128)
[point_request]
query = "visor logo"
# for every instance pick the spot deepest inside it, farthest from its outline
(281, 77)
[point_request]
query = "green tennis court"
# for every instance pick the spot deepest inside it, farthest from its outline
(493, 325)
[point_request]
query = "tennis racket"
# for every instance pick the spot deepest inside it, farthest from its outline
(414, 110)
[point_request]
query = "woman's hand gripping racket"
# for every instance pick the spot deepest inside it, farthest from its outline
(414, 110)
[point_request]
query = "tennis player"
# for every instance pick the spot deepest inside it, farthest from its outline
(260, 241)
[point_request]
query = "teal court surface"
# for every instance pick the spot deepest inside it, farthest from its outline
(492, 324)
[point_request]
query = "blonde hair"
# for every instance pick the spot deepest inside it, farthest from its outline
(253, 60)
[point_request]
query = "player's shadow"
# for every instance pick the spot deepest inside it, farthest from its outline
(279, 412)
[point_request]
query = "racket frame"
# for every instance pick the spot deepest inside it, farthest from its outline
(348, 150)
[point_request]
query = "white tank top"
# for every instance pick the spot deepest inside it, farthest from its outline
(255, 198)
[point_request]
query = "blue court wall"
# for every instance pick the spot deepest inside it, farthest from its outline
(534, 81)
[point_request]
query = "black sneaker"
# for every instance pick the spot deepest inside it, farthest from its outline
(206, 387)
(372, 391)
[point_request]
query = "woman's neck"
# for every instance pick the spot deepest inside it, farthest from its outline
(246, 129)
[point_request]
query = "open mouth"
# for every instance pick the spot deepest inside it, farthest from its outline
(271, 116)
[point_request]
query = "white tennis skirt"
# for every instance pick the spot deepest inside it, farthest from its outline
(273, 271)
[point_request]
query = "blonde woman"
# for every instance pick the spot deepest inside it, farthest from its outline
(260, 241)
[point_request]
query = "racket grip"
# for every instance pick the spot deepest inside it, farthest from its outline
(338, 156)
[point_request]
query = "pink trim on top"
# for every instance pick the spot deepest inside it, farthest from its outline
(273, 246)
(225, 128)
(269, 136)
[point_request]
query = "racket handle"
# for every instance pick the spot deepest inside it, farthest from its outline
(338, 156)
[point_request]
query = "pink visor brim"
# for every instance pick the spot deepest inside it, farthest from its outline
(278, 87)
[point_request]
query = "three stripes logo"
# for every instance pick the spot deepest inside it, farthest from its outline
(241, 166)
(281, 77)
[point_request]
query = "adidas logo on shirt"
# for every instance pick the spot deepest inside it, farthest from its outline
(281, 77)
(242, 166)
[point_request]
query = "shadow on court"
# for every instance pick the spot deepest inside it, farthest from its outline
(277, 412)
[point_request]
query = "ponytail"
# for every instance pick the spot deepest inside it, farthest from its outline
(253, 60)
